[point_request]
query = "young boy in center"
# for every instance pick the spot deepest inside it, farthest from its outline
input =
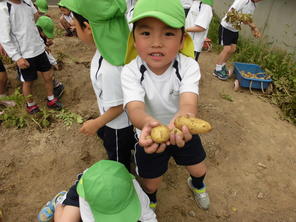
(159, 84)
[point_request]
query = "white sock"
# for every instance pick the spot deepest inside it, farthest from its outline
(219, 67)
(31, 104)
(50, 97)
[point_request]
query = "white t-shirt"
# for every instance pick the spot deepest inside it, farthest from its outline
(51, 59)
(147, 215)
(186, 3)
(160, 93)
(199, 15)
(242, 6)
(19, 35)
(106, 83)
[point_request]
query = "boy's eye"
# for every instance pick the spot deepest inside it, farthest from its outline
(145, 33)
(170, 34)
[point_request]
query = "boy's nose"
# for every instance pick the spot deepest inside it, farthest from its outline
(156, 43)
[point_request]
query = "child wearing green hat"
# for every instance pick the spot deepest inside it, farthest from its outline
(104, 192)
(42, 6)
(66, 20)
(160, 84)
(197, 23)
(45, 27)
(103, 23)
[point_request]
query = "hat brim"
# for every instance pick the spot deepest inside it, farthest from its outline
(167, 19)
(131, 213)
(131, 52)
(42, 10)
(48, 34)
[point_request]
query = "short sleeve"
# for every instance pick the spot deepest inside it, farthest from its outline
(131, 86)
(204, 17)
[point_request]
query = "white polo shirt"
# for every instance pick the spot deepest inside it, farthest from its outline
(106, 83)
(200, 14)
(160, 93)
(242, 6)
(19, 35)
(147, 215)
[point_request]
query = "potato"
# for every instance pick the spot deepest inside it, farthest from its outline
(195, 125)
(160, 134)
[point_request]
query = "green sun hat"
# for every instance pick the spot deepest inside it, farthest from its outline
(171, 12)
(69, 4)
(108, 188)
(109, 27)
(47, 26)
(42, 5)
(208, 2)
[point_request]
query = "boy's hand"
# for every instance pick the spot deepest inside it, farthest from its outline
(23, 63)
(256, 33)
(147, 143)
(181, 137)
(90, 127)
(2, 51)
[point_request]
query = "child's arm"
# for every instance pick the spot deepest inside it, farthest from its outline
(144, 122)
(195, 28)
(255, 31)
(90, 127)
(187, 106)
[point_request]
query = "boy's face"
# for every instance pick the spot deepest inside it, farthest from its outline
(65, 11)
(83, 33)
(157, 44)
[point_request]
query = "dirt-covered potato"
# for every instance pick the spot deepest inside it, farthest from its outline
(160, 134)
(195, 125)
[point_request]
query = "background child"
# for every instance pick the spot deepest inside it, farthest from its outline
(42, 7)
(66, 20)
(104, 192)
(110, 37)
(159, 85)
(187, 5)
(197, 23)
(21, 40)
(228, 36)
(45, 27)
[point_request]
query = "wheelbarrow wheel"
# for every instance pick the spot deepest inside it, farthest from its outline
(269, 89)
(236, 86)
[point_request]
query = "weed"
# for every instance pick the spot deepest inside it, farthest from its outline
(18, 117)
(226, 97)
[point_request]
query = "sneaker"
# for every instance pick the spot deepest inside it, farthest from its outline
(47, 212)
(54, 104)
(152, 206)
(33, 109)
(200, 195)
(221, 74)
(7, 103)
(58, 90)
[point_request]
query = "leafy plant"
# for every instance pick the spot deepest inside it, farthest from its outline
(18, 117)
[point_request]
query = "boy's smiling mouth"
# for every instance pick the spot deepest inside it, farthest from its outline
(156, 54)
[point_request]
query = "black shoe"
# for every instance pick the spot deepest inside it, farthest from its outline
(58, 91)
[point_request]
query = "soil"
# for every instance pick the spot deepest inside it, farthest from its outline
(250, 153)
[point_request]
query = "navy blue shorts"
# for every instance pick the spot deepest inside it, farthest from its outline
(227, 37)
(2, 68)
(156, 164)
(72, 197)
(39, 63)
(118, 143)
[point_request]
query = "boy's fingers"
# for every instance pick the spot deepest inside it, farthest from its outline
(151, 149)
(161, 148)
